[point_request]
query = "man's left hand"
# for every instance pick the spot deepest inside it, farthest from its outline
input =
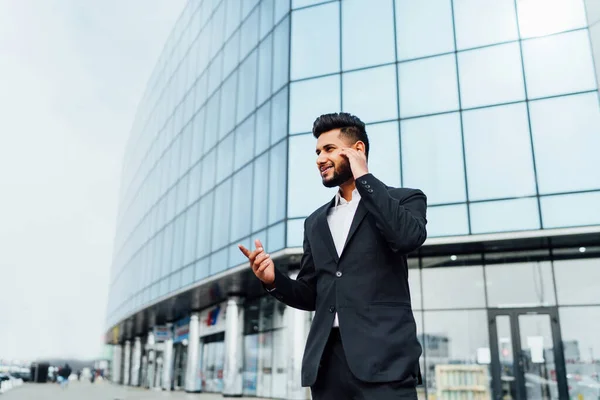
(357, 160)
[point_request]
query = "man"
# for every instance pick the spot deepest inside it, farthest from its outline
(362, 342)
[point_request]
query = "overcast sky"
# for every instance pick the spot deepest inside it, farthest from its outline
(71, 75)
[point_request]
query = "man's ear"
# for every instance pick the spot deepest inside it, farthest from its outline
(360, 146)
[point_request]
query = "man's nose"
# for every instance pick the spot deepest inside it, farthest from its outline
(321, 159)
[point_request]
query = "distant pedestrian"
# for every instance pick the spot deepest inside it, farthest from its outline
(63, 376)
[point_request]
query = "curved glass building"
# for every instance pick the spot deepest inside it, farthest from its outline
(491, 108)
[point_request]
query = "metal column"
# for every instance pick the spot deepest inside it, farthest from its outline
(136, 362)
(127, 363)
(168, 360)
(192, 357)
(151, 360)
(234, 347)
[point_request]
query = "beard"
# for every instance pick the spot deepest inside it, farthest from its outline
(342, 173)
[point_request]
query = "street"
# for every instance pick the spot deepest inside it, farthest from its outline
(97, 391)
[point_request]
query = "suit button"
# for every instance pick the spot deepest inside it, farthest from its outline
(338, 274)
(367, 186)
(370, 190)
(331, 309)
(363, 182)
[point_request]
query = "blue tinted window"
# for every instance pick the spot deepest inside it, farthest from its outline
(225, 150)
(236, 257)
(201, 88)
(177, 260)
(432, 157)
(234, 14)
(281, 9)
(259, 194)
(244, 143)
(218, 29)
(276, 237)
(305, 3)
(277, 182)
(480, 23)
(281, 54)
(249, 34)
(198, 136)
(279, 116)
(507, 215)
(543, 17)
(202, 269)
(447, 220)
(231, 54)
(218, 261)
(304, 178)
(491, 75)
(247, 87)
(265, 59)
(263, 128)
(295, 232)
(212, 122)
(370, 42)
(209, 166)
(491, 134)
(428, 86)
(222, 213)
(167, 250)
(215, 76)
(384, 152)
(371, 94)
(241, 207)
(228, 100)
(549, 73)
(194, 183)
(311, 98)
(266, 16)
(182, 187)
(315, 51)
(423, 28)
(247, 6)
(566, 142)
(583, 210)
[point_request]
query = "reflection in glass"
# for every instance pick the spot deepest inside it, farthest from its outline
(480, 23)
(370, 42)
(311, 98)
(384, 153)
(490, 135)
(371, 93)
(546, 71)
(506, 358)
(584, 210)
(453, 287)
(544, 17)
(525, 284)
(577, 281)
(537, 357)
(447, 220)
(581, 346)
(281, 53)
(277, 182)
(567, 126)
(504, 215)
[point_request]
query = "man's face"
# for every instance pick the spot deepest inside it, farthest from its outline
(334, 168)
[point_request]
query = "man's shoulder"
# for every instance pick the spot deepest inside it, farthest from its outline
(403, 192)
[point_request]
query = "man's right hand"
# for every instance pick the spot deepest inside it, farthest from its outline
(261, 263)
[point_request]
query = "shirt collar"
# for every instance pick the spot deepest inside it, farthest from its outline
(339, 200)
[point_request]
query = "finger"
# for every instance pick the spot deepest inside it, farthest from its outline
(264, 265)
(244, 250)
(260, 258)
(258, 244)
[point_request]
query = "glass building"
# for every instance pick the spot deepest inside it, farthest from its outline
(490, 107)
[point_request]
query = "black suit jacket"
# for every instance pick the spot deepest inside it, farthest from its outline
(367, 285)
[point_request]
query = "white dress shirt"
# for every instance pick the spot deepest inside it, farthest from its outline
(339, 218)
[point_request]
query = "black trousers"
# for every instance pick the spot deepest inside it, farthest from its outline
(335, 381)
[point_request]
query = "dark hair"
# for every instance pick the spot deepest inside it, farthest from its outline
(351, 127)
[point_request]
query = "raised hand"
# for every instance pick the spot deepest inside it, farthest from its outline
(357, 160)
(261, 263)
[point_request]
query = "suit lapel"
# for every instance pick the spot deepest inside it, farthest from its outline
(325, 232)
(361, 212)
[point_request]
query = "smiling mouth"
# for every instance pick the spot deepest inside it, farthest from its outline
(325, 170)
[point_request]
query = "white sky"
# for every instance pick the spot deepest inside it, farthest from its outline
(71, 75)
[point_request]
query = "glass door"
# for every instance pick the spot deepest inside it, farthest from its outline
(527, 355)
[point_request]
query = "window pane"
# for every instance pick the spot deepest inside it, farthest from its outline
(506, 215)
(276, 237)
(266, 16)
(281, 9)
(313, 44)
(371, 94)
(231, 54)
(215, 76)
(249, 34)
(423, 28)
(224, 164)
(236, 257)
(577, 281)
(191, 229)
(384, 152)
(228, 98)
(247, 88)
(490, 134)
(260, 196)
(566, 127)
(311, 98)
(432, 157)
(583, 210)
(447, 220)
(581, 343)
(295, 232)
(177, 260)
(205, 221)
(277, 182)
(453, 287)
(480, 23)
(222, 208)
(244, 143)
(202, 269)
(428, 86)
(265, 60)
(208, 172)
(370, 42)
(305, 3)
(302, 161)
(241, 210)
(233, 19)
(544, 17)
(218, 261)
(547, 71)
(279, 116)
(281, 54)
(212, 122)
(491, 75)
(263, 129)
(453, 337)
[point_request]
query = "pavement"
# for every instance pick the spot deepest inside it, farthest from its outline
(100, 391)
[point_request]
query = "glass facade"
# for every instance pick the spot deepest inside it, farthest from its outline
(491, 108)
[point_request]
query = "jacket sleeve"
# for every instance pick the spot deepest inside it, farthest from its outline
(400, 220)
(301, 292)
